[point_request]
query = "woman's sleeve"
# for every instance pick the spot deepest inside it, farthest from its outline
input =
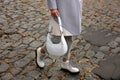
(52, 4)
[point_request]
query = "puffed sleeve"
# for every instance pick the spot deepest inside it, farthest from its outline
(52, 4)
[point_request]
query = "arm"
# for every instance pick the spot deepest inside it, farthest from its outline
(53, 7)
(52, 4)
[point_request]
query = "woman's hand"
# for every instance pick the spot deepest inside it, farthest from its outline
(54, 12)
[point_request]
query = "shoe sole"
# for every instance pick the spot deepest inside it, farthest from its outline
(36, 60)
(70, 71)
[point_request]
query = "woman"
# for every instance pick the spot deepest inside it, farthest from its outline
(70, 12)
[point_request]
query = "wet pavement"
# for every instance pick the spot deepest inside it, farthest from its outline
(23, 28)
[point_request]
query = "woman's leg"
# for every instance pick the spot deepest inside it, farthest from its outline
(41, 51)
(69, 43)
(40, 56)
(66, 58)
(69, 40)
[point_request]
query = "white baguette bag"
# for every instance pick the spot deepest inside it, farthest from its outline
(57, 49)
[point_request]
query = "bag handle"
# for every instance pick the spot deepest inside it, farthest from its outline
(59, 23)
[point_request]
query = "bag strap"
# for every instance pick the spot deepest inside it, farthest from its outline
(59, 23)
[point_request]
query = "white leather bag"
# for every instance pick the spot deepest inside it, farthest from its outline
(57, 49)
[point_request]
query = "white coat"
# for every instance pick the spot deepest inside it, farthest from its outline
(71, 15)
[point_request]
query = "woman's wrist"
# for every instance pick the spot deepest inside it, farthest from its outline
(54, 12)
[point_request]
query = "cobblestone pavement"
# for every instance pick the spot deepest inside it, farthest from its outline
(23, 28)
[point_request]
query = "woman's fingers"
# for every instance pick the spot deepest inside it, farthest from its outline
(54, 12)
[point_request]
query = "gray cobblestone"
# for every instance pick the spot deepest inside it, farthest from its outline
(10, 31)
(90, 78)
(27, 40)
(35, 44)
(82, 54)
(37, 35)
(15, 37)
(16, 44)
(3, 67)
(34, 74)
(7, 76)
(37, 26)
(29, 78)
(16, 58)
(95, 61)
(87, 46)
(22, 46)
(23, 62)
(19, 77)
(6, 45)
(99, 55)
(21, 31)
(1, 56)
(113, 44)
(117, 39)
(28, 69)
(104, 48)
(5, 52)
(15, 71)
(90, 54)
(116, 50)
(12, 54)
